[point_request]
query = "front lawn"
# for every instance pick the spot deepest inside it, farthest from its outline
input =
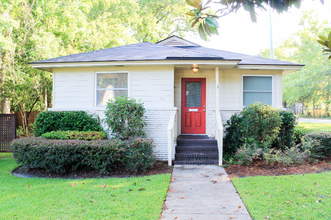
(299, 196)
(109, 198)
(316, 127)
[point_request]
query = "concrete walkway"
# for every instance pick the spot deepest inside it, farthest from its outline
(202, 192)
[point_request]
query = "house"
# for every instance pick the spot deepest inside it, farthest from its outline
(185, 88)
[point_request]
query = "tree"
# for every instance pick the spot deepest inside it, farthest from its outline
(326, 42)
(207, 19)
(33, 30)
(310, 85)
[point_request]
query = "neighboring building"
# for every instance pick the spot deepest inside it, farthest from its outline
(177, 100)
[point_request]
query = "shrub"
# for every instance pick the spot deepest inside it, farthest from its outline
(66, 121)
(261, 124)
(299, 132)
(125, 118)
(286, 132)
(320, 141)
(288, 156)
(246, 154)
(102, 155)
(76, 135)
(233, 138)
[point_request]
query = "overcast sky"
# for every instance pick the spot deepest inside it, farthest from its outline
(239, 34)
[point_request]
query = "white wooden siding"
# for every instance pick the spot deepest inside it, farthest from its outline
(159, 88)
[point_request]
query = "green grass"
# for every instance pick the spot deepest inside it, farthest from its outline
(316, 127)
(37, 198)
(290, 197)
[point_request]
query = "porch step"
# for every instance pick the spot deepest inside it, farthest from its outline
(196, 150)
(197, 162)
(196, 156)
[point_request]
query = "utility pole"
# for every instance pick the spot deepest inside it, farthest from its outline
(271, 40)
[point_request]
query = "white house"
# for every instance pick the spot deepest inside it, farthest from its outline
(185, 88)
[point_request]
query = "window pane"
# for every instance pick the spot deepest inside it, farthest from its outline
(193, 94)
(251, 97)
(112, 80)
(104, 95)
(257, 83)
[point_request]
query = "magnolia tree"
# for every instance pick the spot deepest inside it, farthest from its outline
(206, 19)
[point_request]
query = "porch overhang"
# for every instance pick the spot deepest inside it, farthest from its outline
(48, 66)
(285, 68)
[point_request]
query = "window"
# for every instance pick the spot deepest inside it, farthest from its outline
(257, 89)
(110, 85)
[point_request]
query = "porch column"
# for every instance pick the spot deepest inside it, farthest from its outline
(217, 89)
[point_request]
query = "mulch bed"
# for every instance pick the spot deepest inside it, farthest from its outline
(260, 168)
(120, 172)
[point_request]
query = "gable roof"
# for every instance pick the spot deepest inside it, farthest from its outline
(175, 41)
(171, 48)
(134, 52)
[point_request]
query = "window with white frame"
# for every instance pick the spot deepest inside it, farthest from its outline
(257, 89)
(110, 85)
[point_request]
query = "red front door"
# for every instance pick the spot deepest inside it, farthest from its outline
(193, 115)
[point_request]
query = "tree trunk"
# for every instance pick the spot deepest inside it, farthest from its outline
(45, 98)
(2, 81)
(327, 100)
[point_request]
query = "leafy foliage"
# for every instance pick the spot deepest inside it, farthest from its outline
(38, 30)
(321, 142)
(208, 24)
(66, 121)
(76, 135)
(102, 155)
(261, 124)
(125, 118)
(286, 132)
(326, 42)
(311, 85)
(247, 153)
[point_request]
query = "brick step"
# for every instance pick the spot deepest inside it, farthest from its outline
(196, 142)
(196, 149)
(196, 156)
(196, 162)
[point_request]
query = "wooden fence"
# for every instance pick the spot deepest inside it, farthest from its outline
(31, 120)
(7, 131)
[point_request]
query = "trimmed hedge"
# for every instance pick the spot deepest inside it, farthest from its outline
(102, 155)
(66, 121)
(76, 135)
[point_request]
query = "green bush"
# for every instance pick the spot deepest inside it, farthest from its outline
(299, 132)
(321, 141)
(76, 135)
(260, 125)
(286, 132)
(66, 121)
(102, 155)
(257, 124)
(125, 118)
(233, 138)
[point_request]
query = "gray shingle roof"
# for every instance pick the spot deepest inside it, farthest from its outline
(132, 52)
(245, 59)
(149, 52)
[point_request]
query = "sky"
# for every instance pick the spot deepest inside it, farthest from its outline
(237, 33)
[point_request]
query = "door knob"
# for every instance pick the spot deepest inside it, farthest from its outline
(204, 110)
